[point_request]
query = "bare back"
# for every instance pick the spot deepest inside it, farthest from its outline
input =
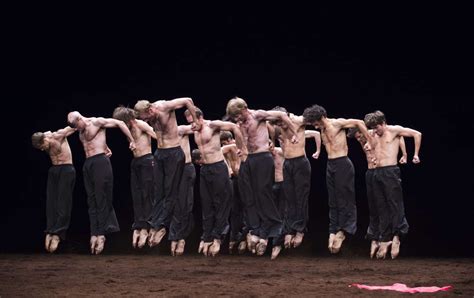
(292, 150)
(93, 138)
(257, 133)
(141, 137)
(209, 143)
(333, 137)
(165, 126)
(59, 151)
(386, 148)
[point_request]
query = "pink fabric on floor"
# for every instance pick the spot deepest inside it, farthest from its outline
(403, 288)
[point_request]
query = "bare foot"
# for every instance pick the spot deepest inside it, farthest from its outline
(252, 241)
(205, 247)
(93, 243)
(382, 252)
(135, 236)
(395, 247)
(47, 242)
(180, 247)
(231, 246)
(332, 236)
(338, 239)
(261, 247)
(54, 243)
(174, 244)
(215, 247)
(374, 246)
(275, 252)
(100, 244)
(143, 237)
(297, 240)
(156, 236)
(201, 246)
(287, 242)
(242, 247)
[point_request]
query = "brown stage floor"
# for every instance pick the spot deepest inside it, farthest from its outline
(193, 275)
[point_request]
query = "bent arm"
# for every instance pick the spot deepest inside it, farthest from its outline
(64, 132)
(317, 138)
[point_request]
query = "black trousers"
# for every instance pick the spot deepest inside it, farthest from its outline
(251, 218)
(262, 176)
(61, 180)
(168, 172)
(373, 232)
(341, 194)
(99, 182)
(142, 184)
(216, 199)
(388, 193)
(237, 223)
(182, 222)
(297, 185)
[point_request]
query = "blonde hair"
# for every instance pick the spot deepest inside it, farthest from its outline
(142, 106)
(235, 106)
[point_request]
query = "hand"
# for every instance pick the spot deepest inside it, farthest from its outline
(239, 153)
(108, 152)
(367, 147)
(416, 159)
(374, 161)
(132, 146)
(403, 160)
(316, 154)
(195, 126)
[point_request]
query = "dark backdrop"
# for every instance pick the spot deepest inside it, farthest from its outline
(410, 62)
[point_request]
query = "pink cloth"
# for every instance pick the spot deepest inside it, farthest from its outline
(403, 288)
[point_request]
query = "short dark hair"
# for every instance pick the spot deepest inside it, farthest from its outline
(124, 114)
(37, 139)
(199, 113)
(225, 135)
(314, 113)
(196, 155)
(351, 132)
(371, 120)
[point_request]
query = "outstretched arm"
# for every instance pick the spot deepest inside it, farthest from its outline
(403, 148)
(348, 123)
(185, 130)
(317, 137)
(416, 135)
(278, 115)
(64, 132)
(182, 102)
(110, 123)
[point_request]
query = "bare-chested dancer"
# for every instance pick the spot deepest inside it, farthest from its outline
(142, 180)
(266, 222)
(237, 223)
(98, 175)
(373, 233)
(339, 173)
(387, 188)
(297, 176)
(61, 180)
(215, 187)
(169, 157)
(182, 222)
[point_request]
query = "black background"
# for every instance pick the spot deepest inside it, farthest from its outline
(413, 63)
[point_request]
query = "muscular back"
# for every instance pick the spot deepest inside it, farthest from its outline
(59, 151)
(93, 138)
(209, 142)
(292, 150)
(165, 126)
(257, 133)
(141, 138)
(333, 137)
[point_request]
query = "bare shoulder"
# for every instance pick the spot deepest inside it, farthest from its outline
(299, 120)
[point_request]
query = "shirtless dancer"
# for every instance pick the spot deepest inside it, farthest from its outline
(297, 176)
(237, 223)
(266, 222)
(387, 188)
(169, 157)
(142, 180)
(98, 175)
(339, 173)
(215, 187)
(61, 179)
(373, 233)
(182, 222)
